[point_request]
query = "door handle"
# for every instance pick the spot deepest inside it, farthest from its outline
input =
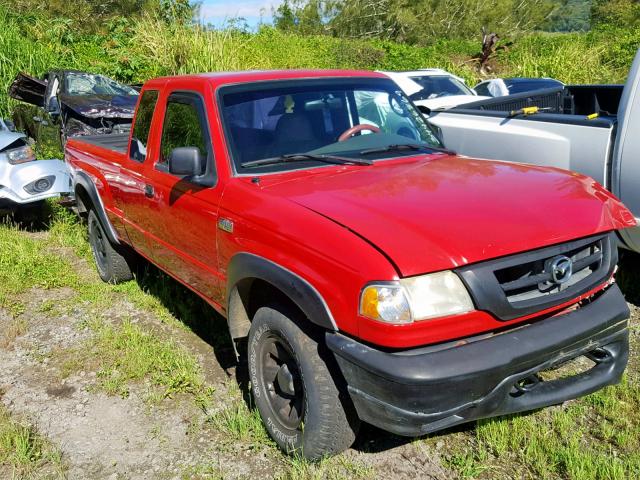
(148, 191)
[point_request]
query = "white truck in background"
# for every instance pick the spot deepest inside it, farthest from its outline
(590, 129)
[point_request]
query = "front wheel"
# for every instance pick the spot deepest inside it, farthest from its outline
(302, 406)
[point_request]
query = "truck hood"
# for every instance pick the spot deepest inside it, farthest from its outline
(438, 212)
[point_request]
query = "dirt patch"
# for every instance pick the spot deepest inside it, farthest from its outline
(100, 435)
(62, 391)
(49, 377)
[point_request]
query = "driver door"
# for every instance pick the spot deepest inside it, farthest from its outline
(183, 212)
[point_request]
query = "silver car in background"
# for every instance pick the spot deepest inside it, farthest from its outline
(23, 180)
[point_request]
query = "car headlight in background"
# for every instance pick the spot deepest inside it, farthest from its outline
(417, 298)
(20, 155)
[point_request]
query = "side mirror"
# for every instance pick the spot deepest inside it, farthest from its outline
(186, 161)
(54, 106)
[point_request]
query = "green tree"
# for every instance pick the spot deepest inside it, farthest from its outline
(180, 11)
(307, 17)
(91, 15)
(569, 16)
(417, 22)
(284, 17)
(619, 13)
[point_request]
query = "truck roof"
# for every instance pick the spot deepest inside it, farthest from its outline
(222, 78)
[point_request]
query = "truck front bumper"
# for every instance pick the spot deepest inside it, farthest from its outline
(423, 390)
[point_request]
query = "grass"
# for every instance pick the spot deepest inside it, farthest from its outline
(126, 352)
(25, 453)
(51, 254)
(129, 354)
(16, 328)
(334, 468)
(238, 421)
(208, 471)
(26, 264)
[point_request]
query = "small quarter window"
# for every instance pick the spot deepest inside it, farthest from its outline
(483, 89)
(142, 126)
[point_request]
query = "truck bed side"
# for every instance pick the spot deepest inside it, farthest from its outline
(117, 142)
(94, 162)
(571, 142)
(574, 129)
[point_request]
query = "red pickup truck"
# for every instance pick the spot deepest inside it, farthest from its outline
(366, 273)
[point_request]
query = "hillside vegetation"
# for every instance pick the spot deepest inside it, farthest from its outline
(146, 367)
(133, 49)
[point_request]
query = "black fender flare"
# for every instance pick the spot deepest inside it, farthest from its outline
(82, 180)
(249, 266)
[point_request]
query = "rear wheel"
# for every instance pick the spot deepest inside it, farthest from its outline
(112, 266)
(302, 406)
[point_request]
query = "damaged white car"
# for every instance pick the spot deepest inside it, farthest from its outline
(23, 180)
(434, 89)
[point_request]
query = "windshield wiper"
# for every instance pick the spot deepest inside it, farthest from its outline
(406, 146)
(297, 157)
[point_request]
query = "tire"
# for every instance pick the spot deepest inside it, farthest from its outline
(324, 421)
(112, 266)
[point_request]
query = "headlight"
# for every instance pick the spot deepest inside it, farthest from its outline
(416, 298)
(20, 155)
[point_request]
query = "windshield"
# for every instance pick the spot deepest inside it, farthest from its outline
(434, 86)
(337, 117)
(78, 83)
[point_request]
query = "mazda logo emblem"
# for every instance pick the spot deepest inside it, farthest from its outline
(561, 269)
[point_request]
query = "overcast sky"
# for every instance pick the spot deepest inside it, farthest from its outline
(217, 11)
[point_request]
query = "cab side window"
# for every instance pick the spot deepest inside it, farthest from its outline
(184, 126)
(142, 126)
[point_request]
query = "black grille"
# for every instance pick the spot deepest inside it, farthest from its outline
(523, 284)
